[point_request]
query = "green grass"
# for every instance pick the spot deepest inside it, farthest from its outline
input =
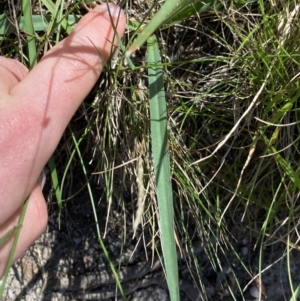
(161, 162)
(231, 83)
(16, 233)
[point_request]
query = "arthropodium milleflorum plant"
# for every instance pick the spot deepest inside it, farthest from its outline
(161, 162)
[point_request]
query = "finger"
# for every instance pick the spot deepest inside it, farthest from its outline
(11, 73)
(33, 226)
(71, 68)
(43, 103)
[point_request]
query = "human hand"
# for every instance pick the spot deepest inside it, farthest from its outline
(35, 108)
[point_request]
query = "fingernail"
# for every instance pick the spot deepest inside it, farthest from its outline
(111, 9)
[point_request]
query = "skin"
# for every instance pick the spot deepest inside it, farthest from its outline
(35, 108)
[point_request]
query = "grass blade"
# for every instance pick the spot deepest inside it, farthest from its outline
(186, 9)
(28, 26)
(172, 11)
(156, 21)
(53, 9)
(16, 231)
(161, 161)
(40, 23)
(56, 185)
(111, 265)
(7, 236)
(296, 293)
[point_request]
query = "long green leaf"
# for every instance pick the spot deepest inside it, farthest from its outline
(161, 160)
(156, 21)
(172, 11)
(7, 236)
(106, 254)
(296, 293)
(53, 9)
(28, 26)
(186, 9)
(14, 231)
(40, 23)
(56, 184)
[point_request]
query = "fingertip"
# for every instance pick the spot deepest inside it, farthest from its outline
(113, 11)
(99, 21)
(109, 8)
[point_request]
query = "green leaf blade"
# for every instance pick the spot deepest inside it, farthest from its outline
(161, 161)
